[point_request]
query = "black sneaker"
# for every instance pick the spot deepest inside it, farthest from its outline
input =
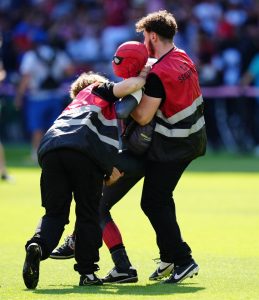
(89, 279)
(182, 272)
(66, 250)
(128, 276)
(164, 270)
(31, 267)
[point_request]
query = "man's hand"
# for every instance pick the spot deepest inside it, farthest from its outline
(115, 176)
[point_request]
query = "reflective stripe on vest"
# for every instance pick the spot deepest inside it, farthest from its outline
(88, 123)
(180, 133)
(188, 111)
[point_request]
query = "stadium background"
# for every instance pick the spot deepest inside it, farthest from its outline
(220, 36)
(217, 199)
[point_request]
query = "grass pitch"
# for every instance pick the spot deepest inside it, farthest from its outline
(217, 203)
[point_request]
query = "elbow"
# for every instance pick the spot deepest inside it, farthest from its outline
(142, 120)
(141, 116)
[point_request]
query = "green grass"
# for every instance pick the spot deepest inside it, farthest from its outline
(217, 204)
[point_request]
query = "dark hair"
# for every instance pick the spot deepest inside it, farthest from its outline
(161, 22)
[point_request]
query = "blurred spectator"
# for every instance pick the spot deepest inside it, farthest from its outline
(221, 37)
(208, 13)
(3, 171)
(251, 76)
(116, 30)
(235, 126)
(235, 13)
(83, 45)
(42, 71)
(231, 66)
(28, 29)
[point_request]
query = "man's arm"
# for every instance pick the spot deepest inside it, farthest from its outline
(146, 109)
(153, 96)
(130, 85)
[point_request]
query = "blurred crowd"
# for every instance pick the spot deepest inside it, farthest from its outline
(220, 36)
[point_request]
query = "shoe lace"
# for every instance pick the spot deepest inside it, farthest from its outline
(68, 241)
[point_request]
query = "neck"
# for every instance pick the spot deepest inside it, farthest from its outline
(163, 49)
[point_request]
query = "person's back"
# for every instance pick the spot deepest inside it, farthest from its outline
(91, 116)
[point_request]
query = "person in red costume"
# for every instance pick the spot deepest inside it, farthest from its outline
(132, 164)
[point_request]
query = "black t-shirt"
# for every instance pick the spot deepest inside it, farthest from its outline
(154, 87)
(105, 91)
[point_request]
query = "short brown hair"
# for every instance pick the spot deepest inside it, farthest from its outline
(83, 81)
(161, 22)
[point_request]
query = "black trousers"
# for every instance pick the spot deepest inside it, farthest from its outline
(133, 168)
(67, 173)
(158, 204)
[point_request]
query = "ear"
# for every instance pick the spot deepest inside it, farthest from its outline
(153, 37)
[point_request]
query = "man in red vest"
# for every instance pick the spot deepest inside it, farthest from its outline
(173, 97)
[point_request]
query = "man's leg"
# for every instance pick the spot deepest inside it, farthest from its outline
(34, 121)
(134, 171)
(111, 234)
(158, 204)
(123, 271)
(86, 180)
(4, 175)
(56, 198)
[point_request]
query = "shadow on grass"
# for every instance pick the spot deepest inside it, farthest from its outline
(118, 289)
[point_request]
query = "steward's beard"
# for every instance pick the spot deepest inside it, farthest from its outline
(151, 49)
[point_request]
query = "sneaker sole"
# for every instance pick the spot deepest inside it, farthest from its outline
(61, 257)
(99, 282)
(165, 273)
(126, 280)
(159, 277)
(31, 268)
(193, 272)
